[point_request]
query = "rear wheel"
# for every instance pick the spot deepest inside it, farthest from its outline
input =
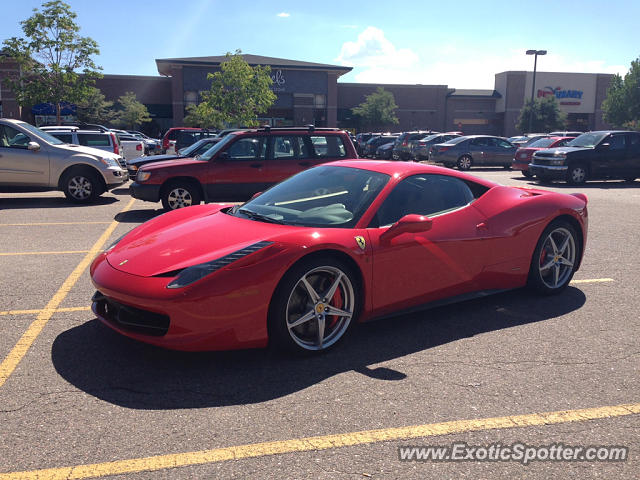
(527, 174)
(577, 174)
(81, 185)
(465, 162)
(314, 305)
(180, 194)
(630, 179)
(554, 259)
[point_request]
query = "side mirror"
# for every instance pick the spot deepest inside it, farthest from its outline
(33, 146)
(223, 156)
(411, 223)
(604, 146)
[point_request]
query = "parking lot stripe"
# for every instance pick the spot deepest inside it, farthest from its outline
(37, 224)
(38, 310)
(325, 442)
(16, 354)
(10, 254)
(594, 280)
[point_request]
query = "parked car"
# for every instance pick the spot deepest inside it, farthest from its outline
(101, 140)
(474, 150)
(241, 164)
(401, 149)
(384, 151)
(523, 155)
(374, 142)
(197, 148)
(361, 140)
(420, 148)
(338, 244)
(152, 146)
(597, 155)
(132, 146)
(526, 139)
(171, 136)
(32, 159)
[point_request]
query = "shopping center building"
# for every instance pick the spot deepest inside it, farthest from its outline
(311, 93)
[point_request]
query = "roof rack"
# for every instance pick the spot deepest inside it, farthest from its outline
(308, 128)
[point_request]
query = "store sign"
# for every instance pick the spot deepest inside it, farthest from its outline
(278, 81)
(566, 97)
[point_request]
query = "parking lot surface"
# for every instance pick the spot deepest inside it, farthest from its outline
(80, 401)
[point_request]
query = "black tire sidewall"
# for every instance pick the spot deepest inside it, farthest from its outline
(279, 336)
(570, 179)
(89, 175)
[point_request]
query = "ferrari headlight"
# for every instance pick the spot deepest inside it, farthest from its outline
(109, 162)
(192, 274)
(142, 176)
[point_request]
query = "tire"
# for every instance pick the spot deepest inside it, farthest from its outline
(507, 167)
(300, 298)
(465, 162)
(577, 174)
(449, 165)
(630, 179)
(554, 261)
(81, 185)
(180, 194)
(527, 174)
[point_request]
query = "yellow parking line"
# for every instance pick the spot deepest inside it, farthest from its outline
(39, 310)
(325, 442)
(65, 252)
(16, 354)
(594, 280)
(39, 224)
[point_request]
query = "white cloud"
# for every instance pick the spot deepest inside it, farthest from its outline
(284, 15)
(376, 60)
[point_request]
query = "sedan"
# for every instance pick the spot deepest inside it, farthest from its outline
(524, 155)
(298, 265)
(474, 150)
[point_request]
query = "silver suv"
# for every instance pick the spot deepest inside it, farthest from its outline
(31, 159)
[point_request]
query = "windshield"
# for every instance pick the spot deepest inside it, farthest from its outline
(541, 143)
(41, 133)
(208, 155)
(319, 197)
(188, 151)
(456, 140)
(587, 140)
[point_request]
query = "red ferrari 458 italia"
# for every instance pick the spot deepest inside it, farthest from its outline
(344, 242)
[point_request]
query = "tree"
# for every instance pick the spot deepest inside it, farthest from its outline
(621, 107)
(55, 61)
(238, 94)
(95, 108)
(203, 115)
(131, 113)
(546, 116)
(378, 109)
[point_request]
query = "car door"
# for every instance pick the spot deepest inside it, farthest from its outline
(238, 171)
(20, 166)
(610, 157)
(503, 151)
(326, 148)
(633, 155)
(414, 268)
(480, 150)
(287, 155)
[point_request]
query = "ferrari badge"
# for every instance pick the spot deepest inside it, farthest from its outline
(361, 242)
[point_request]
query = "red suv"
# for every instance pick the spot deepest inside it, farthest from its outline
(241, 164)
(172, 135)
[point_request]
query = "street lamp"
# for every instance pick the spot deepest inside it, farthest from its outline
(533, 83)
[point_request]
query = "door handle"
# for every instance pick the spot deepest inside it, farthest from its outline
(256, 165)
(481, 226)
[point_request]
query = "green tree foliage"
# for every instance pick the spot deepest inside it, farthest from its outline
(378, 109)
(621, 108)
(55, 61)
(546, 116)
(131, 112)
(238, 94)
(94, 108)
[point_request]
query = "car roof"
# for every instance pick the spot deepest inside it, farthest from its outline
(405, 169)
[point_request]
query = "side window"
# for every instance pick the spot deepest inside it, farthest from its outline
(289, 146)
(480, 142)
(503, 144)
(617, 142)
(328, 146)
(247, 148)
(634, 142)
(94, 139)
(12, 138)
(64, 137)
(423, 195)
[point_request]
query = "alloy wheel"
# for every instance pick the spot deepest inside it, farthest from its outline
(80, 187)
(179, 197)
(557, 258)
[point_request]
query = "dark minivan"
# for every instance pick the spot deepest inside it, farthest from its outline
(591, 156)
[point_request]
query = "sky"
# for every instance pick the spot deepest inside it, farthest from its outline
(462, 44)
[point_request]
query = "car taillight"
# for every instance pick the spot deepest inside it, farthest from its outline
(116, 149)
(443, 149)
(139, 147)
(422, 144)
(405, 143)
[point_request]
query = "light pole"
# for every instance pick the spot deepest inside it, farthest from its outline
(535, 53)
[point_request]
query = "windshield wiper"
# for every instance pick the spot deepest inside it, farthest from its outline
(258, 216)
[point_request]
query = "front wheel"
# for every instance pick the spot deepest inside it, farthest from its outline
(577, 174)
(464, 162)
(314, 306)
(527, 174)
(81, 186)
(179, 195)
(554, 259)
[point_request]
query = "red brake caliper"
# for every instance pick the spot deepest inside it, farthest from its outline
(336, 301)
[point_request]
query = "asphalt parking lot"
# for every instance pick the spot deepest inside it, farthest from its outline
(79, 401)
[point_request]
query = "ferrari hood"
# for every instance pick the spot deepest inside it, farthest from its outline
(179, 241)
